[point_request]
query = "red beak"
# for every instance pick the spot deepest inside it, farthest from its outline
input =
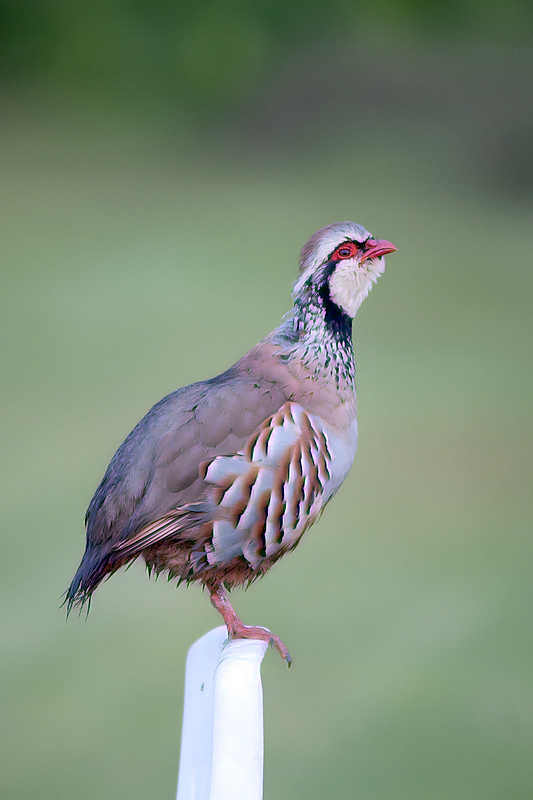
(375, 248)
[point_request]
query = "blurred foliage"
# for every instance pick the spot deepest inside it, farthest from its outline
(272, 76)
(206, 53)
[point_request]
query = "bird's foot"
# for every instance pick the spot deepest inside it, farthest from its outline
(240, 631)
(237, 629)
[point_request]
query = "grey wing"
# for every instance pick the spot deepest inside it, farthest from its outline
(155, 470)
(257, 501)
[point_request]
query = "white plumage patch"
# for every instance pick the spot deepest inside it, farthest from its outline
(351, 282)
(316, 251)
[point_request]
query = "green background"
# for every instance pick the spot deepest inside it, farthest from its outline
(162, 164)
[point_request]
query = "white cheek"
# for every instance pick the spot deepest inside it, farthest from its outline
(351, 283)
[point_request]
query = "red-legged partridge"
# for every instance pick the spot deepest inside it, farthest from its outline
(221, 478)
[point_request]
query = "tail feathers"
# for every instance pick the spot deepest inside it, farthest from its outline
(94, 568)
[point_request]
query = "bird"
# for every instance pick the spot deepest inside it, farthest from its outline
(221, 478)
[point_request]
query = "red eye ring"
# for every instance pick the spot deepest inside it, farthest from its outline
(344, 250)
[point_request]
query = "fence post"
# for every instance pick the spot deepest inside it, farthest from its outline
(222, 735)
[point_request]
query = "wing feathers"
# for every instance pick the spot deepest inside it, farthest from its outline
(258, 501)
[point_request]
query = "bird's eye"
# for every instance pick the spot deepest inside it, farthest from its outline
(347, 250)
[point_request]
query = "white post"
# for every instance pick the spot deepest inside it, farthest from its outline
(194, 779)
(222, 736)
(237, 769)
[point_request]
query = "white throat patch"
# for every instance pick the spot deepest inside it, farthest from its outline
(351, 282)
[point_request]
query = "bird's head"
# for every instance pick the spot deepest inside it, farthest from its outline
(340, 263)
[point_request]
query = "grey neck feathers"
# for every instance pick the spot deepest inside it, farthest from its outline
(319, 334)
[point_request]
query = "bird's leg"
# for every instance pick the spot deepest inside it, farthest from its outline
(237, 630)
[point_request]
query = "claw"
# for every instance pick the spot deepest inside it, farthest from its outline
(237, 629)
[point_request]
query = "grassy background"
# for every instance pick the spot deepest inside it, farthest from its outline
(135, 261)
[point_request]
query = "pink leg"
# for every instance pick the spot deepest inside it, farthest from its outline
(237, 630)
